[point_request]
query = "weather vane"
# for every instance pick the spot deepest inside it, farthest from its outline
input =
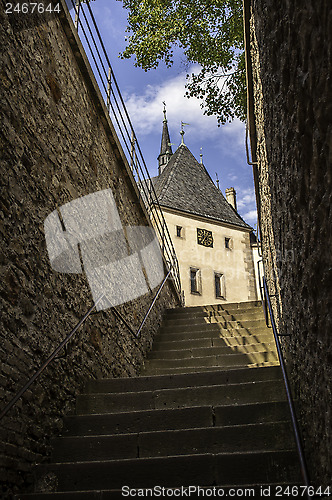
(182, 131)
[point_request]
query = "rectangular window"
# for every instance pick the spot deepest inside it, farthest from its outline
(194, 281)
(228, 243)
(179, 231)
(219, 283)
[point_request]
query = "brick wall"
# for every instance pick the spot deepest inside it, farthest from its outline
(56, 145)
(291, 45)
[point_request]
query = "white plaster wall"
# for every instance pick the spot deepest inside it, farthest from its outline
(257, 258)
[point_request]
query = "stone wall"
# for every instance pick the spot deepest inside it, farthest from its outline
(291, 45)
(57, 144)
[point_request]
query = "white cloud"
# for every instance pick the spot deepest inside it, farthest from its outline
(232, 177)
(145, 111)
(246, 197)
(246, 204)
(250, 216)
(235, 132)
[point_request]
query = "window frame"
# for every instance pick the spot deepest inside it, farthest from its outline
(197, 281)
(228, 243)
(177, 228)
(219, 278)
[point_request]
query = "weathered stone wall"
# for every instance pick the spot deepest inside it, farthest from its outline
(291, 45)
(55, 147)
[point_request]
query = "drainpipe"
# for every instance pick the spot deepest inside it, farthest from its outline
(251, 122)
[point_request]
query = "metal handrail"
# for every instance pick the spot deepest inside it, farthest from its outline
(49, 359)
(125, 322)
(298, 441)
(138, 333)
(110, 90)
(64, 343)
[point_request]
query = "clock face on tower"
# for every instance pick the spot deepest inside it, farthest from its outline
(204, 237)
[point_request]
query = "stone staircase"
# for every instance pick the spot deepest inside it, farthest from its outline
(205, 338)
(209, 410)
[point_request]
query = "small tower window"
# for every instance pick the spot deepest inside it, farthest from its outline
(195, 285)
(219, 283)
(228, 243)
(179, 231)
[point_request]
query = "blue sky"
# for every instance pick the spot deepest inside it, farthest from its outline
(223, 147)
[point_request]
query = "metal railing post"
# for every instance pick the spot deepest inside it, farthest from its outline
(163, 238)
(77, 13)
(108, 94)
(132, 150)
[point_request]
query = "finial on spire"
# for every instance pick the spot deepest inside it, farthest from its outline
(170, 144)
(182, 131)
(165, 146)
(201, 156)
(217, 181)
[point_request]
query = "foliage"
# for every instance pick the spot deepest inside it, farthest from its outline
(210, 33)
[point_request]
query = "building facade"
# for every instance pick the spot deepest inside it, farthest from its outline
(211, 240)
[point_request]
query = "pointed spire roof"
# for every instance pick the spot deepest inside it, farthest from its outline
(165, 146)
(185, 185)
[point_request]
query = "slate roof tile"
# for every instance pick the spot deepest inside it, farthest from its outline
(185, 185)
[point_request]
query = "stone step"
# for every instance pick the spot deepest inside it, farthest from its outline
(243, 306)
(205, 317)
(188, 320)
(146, 383)
(137, 421)
(234, 306)
(198, 352)
(198, 369)
(203, 314)
(241, 438)
(257, 324)
(248, 392)
(218, 360)
(171, 343)
(258, 336)
(178, 418)
(204, 470)
(239, 314)
(253, 490)
(182, 314)
(251, 413)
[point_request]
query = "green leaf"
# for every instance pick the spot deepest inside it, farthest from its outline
(210, 33)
